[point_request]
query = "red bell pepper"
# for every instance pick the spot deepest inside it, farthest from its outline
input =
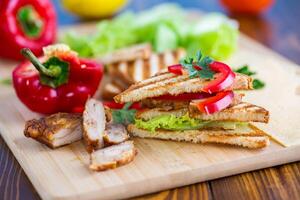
(26, 24)
(62, 83)
(224, 78)
(176, 69)
(114, 105)
(215, 103)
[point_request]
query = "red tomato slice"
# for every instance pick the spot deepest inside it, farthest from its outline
(247, 6)
(225, 76)
(184, 96)
(224, 79)
(215, 103)
(176, 69)
(114, 105)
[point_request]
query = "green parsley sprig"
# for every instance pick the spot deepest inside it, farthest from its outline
(124, 115)
(257, 84)
(6, 81)
(192, 66)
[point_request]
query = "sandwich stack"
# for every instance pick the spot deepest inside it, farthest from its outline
(196, 101)
(134, 64)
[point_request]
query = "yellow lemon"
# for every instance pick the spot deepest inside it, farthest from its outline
(94, 8)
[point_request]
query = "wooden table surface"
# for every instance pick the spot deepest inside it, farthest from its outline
(279, 30)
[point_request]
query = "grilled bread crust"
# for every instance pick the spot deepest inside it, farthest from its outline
(110, 90)
(141, 68)
(253, 140)
(113, 156)
(242, 112)
(168, 83)
(45, 129)
(140, 51)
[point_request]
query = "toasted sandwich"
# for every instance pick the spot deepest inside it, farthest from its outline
(141, 68)
(179, 106)
(140, 51)
(126, 72)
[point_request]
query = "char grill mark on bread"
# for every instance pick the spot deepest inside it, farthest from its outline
(254, 139)
(110, 90)
(142, 68)
(94, 121)
(113, 156)
(55, 130)
(242, 112)
(168, 83)
(141, 51)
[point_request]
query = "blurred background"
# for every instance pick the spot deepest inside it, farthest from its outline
(276, 25)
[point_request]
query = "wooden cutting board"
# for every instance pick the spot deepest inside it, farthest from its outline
(160, 165)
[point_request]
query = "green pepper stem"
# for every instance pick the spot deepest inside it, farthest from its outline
(27, 53)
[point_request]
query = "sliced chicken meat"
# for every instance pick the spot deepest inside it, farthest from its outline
(115, 134)
(113, 156)
(55, 130)
(94, 121)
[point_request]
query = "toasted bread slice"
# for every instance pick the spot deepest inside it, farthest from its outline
(253, 139)
(242, 112)
(115, 134)
(55, 130)
(94, 121)
(169, 83)
(140, 51)
(113, 156)
(176, 104)
(140, 69)
(110, 90)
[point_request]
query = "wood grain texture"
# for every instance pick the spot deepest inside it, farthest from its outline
(277, 29)
(14, 183)
(159, 165)
(281, 182)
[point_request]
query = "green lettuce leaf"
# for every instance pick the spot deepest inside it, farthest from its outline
(215, 35)
(165, 26)
(171, 122)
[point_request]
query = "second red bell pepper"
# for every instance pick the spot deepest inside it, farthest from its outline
(26, 24)
(215, 103)
(58, 82)
(224, 77)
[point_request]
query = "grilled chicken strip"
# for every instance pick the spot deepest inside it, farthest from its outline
(55, 130)
(115, 134)
(113, 156)
(94, 121)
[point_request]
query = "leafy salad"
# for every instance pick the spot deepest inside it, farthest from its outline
(166, 26)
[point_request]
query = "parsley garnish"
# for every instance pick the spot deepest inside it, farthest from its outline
(124, 115)
(245, 70)
(6, 81)
(257, 84)
(192, 66)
